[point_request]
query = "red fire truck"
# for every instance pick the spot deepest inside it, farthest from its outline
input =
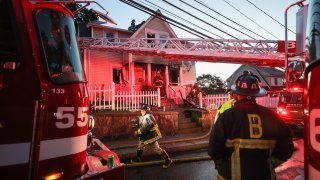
(312, 93)
(290, 107)
(44, 99)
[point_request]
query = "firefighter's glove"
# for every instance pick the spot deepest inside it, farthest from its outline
(217, 164)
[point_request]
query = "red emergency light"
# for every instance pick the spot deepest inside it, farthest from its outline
(282, 111)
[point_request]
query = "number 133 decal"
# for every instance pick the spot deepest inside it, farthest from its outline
(68, 113)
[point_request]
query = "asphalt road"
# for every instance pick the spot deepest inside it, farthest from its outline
(184, 171)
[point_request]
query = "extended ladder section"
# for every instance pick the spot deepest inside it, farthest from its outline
(257, 52)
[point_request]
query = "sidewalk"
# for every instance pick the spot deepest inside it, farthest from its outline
(128, 153)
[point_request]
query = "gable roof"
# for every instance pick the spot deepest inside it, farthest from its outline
(152, 17)
(264, 71)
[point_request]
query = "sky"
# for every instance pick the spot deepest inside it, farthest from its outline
(240, 11)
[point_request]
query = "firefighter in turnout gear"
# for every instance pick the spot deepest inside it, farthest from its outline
(227, 105)
(248, 140)
(149, 134)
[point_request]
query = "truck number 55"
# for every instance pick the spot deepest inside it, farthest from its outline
(66, 115)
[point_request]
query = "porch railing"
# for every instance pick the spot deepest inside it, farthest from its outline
(102, 97)
(214, 101)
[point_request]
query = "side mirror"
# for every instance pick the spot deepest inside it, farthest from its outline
(90, 122)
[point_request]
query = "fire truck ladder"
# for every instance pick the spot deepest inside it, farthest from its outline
(257, 52)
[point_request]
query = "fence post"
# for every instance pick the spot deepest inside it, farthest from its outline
(113, 97)
(95, 97)
(159, 97)
(200, 99)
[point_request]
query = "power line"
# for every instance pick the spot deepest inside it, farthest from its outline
(269, 15)
(216, 19)
(207, 6)
(164, 18)
(154, 15)
(198, 18)
(250, 19)
(176, 16)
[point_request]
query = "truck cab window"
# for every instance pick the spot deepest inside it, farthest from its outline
(60, 49)
(8, 44)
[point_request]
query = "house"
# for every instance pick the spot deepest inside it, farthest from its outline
(134, 72)
(272, 79)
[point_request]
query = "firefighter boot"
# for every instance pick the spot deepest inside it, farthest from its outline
(168, 160)
(139, 156)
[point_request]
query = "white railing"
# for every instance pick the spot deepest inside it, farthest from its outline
(213, 101)
(102, 97)
(270, 102)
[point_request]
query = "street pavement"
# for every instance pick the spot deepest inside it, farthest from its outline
(293, 169)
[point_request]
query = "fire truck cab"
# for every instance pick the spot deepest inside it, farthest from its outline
(290, 107)
(44, 103)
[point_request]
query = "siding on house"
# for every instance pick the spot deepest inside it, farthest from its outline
(101, 64)
(97, 32)
(156, 25)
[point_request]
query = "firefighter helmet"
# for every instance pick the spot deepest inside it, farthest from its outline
(145, 107)
(248, 85)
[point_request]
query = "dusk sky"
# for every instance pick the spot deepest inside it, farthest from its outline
(241, 11)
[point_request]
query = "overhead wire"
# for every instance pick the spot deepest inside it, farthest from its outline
(268, 15)
(219, 29)
(250, 19)
(216, 19)
(165, 18)
(210, 8)
(176, 16)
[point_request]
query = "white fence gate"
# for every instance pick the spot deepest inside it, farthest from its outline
(106, 98)
(214, 101)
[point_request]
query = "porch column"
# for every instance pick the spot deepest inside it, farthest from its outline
(149, 74)
(180, 76)
(167, 80)
(131, 73)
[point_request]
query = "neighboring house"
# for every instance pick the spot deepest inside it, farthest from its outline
(135, 72)
(272, 79)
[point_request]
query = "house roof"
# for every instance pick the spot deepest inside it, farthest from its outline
(264, 71)
(150, 19)
(98, 24)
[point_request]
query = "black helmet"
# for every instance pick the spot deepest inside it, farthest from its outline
(248, 85)
(144, 107)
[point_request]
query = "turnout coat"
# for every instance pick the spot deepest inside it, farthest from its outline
(148, 129)
(247, 141)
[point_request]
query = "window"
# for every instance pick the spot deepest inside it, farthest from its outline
(276, 82)
(163, 38)
(59, 44)
(110, 36)
(116, 74)
(151, 42)
(174, 76)
(9, 60)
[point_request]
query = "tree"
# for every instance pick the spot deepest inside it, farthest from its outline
(133, 27)
(211, 84)
(83, 16)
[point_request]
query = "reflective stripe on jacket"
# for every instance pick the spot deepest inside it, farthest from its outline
(225, 106)
(246, 138)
